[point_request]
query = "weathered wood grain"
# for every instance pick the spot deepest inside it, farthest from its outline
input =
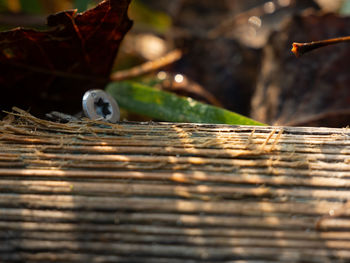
(164, 192)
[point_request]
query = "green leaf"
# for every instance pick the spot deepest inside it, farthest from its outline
(165, 106)
(147, 18)
(3, 5)
(345, 9)
(31, 6)
(81, 5)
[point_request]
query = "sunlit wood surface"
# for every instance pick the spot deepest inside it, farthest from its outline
(150, 192)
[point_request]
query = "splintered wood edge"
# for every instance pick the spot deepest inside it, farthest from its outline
(169, 192)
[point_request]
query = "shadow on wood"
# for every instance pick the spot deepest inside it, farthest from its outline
(163, 192)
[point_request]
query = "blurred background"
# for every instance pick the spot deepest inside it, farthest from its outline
(236, 53)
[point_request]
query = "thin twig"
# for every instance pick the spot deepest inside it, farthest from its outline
(137, 71)
(22, 20)
(242, 18)
(301, 48)
(147, 67)
(317, 117)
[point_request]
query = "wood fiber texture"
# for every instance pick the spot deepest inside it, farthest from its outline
(163, 192)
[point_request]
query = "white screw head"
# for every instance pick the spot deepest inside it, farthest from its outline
(99, 105)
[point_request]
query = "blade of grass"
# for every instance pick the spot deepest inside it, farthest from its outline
(165, 106)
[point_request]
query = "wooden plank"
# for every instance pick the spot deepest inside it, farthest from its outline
(164, 192)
